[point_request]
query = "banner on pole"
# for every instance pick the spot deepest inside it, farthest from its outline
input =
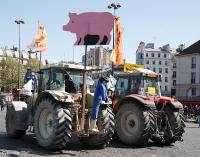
(117, 55)
(39, 43)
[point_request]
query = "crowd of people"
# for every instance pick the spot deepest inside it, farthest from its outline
(192, 112)
(2, 104)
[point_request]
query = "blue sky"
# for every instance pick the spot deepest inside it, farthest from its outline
(172, 21)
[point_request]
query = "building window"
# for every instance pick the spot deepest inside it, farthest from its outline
(166, 88)
(147, 54)
(160, 62)
(166, 79)
(173, 92)
(153, 62)
(158, 55)
(193, 62)
(174, 82)
(166, 63)
(193, 91)
(174, 65)
(160, 79)
(152, 54)
(193, 76)
(160, 70)
(166, 70)
(147, 61)
(141, 56)
(154, 69)
(174, 74)
(165, 55)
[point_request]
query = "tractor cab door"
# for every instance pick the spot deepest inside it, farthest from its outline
(52, 79)
(122, 87)
(136, 85)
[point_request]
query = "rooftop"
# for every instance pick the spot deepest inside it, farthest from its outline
(194, 48)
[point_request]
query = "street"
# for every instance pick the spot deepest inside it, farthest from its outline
(28, 147)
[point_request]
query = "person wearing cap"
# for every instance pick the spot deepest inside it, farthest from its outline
(30, 75)
(100, 95)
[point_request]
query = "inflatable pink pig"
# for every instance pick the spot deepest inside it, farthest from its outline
(92, 28)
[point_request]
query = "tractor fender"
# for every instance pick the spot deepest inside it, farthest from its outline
(57, 95)
(137, 100)
(21, 114)
(175, 104)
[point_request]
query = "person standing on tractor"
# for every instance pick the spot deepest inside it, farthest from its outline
(100, 95)
(30, 75)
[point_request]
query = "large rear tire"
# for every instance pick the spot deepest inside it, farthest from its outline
(176, 121)
(11, 127)
(134, 124)
(105, 123)
(52, 124)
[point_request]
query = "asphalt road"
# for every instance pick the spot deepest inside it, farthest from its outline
(28, 147)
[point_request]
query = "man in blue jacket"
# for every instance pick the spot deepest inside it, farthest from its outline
(100, 95)
(30, 75)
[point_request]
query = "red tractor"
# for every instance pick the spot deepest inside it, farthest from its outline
(142, 113)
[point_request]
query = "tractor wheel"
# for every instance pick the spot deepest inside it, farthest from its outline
(52, 124)
(106, 126)
(134, 124)
(11, 127)
(176, 121)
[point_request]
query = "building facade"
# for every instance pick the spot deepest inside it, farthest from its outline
(97, 56)
(187, 72)
(25, 55)
(158, 60)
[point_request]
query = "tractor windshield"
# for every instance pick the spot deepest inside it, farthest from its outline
(52, 79)
(151, 86)
(77, 79)
(142, 85)
(69, 81)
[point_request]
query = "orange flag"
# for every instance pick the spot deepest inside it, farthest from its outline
(39, 43)
(117, 56)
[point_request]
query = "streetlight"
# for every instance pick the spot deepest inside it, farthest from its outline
(114, 7)
(19, 22)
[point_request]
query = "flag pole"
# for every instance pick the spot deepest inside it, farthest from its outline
(84, 92)
(40, 60)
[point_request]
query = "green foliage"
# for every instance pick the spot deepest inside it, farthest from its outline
(9, 73)
(34, 64)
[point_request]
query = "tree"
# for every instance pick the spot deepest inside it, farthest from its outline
(9, 73)
(33, 64)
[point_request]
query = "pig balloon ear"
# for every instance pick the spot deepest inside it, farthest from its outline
(72, 15)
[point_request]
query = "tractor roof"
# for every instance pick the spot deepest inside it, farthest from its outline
(139, 72)
(70, 67)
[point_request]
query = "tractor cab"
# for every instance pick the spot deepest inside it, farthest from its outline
(66, 78)
(142, 82)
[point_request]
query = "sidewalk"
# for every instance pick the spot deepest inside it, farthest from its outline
(191, 120)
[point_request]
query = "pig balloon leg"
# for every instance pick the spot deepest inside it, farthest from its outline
(100, 39)
(78, 40)
(109, 38)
